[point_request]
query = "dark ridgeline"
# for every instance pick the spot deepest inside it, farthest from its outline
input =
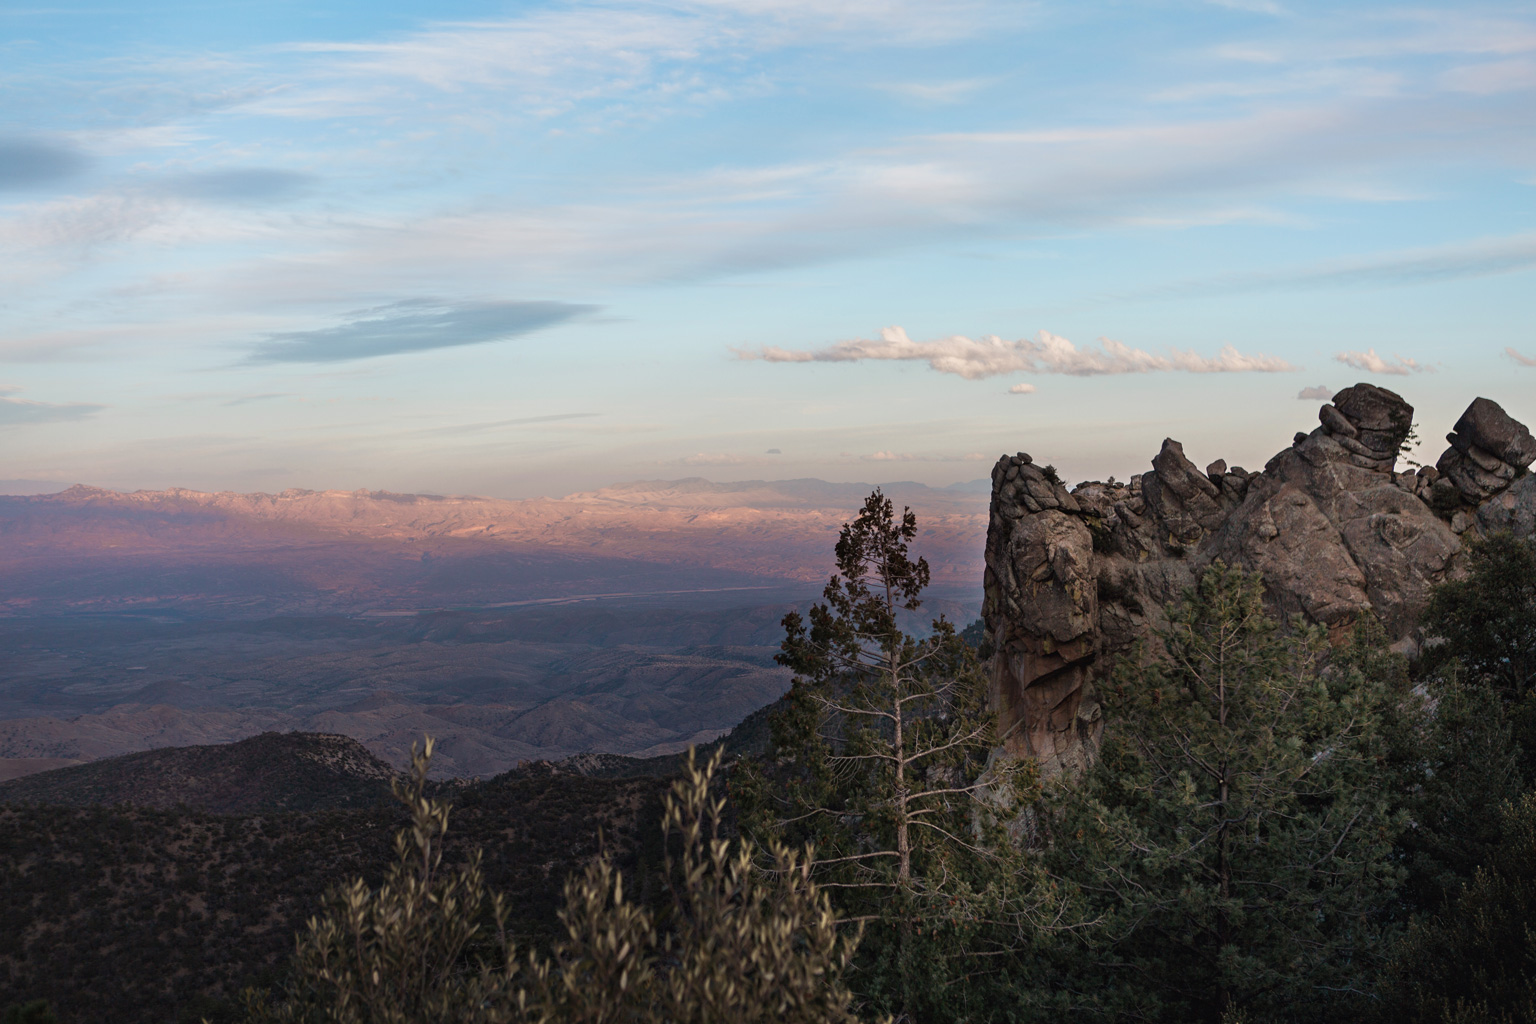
(272, 772)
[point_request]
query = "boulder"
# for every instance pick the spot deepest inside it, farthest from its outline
(1487, 426)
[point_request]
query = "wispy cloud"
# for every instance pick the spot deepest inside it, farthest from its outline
(520, 421)
(1492, 77)
(563, 57)
(1022, 389)
(717, 459)
(936, 93)
(889, 456)
(1480, 257)
(16, 412)
(1522, 359)
(990, 356)
(1250, 6)
(413, 325)
(1370, 362)
(26, 162)
(237, 184)
(1319, 393)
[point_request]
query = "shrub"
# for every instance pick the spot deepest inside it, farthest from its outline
(738, 943)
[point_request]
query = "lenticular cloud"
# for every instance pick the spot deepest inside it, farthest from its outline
(991, 356)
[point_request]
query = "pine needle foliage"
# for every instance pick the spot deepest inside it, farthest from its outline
(1487, 619)
(1475, 963)
(882, 757)
(1481, 632)
(1236, 829)
(430, 945)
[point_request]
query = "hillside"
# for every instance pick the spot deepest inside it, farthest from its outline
(137, 915)
(272, 772)
(495, 687)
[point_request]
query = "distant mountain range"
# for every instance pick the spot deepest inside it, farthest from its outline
(635, 619)
(352, 551)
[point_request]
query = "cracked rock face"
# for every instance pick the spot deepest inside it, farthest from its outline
(1076, 577)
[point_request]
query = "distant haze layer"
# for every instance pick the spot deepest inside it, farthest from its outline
(372, 550)
(636, 619)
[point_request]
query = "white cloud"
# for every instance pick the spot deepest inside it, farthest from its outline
(990, 355)
(580, 53)
(1370, 362)
(1022, 389)
(1319, 393)
(889, 456)
(1523, 360)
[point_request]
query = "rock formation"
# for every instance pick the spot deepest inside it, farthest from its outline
(1075, 577)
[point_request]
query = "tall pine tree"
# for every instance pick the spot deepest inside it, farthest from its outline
(881, 759)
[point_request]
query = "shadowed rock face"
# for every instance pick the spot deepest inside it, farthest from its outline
(1075, 578)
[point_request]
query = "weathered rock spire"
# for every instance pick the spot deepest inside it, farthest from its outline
(1075, 578)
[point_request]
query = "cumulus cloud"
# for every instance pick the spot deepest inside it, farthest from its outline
(1523, 360)
(1321, 393)
(25, 162)
(1370, 362)
(990, 355)
(1022, 389)
(414, 325)
(889, 456)
(15, 412)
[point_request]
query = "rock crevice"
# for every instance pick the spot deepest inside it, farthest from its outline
(1076, 577)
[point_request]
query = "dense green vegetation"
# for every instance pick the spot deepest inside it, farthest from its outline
(1276, 829)
(1236, 836)
(131, 915)
(737, 941)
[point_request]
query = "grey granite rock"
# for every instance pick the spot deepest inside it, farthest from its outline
(1076, 579)
(1486, 425)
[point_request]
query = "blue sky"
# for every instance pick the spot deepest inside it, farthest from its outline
(521, 249)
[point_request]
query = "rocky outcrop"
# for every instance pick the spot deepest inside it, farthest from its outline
(1076, 577)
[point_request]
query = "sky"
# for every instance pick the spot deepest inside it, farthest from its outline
(522, 249)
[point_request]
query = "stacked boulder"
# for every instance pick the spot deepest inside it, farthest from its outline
(1488, 451)
(1076, 577)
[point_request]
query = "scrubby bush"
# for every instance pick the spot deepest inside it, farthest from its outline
(737, 943)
